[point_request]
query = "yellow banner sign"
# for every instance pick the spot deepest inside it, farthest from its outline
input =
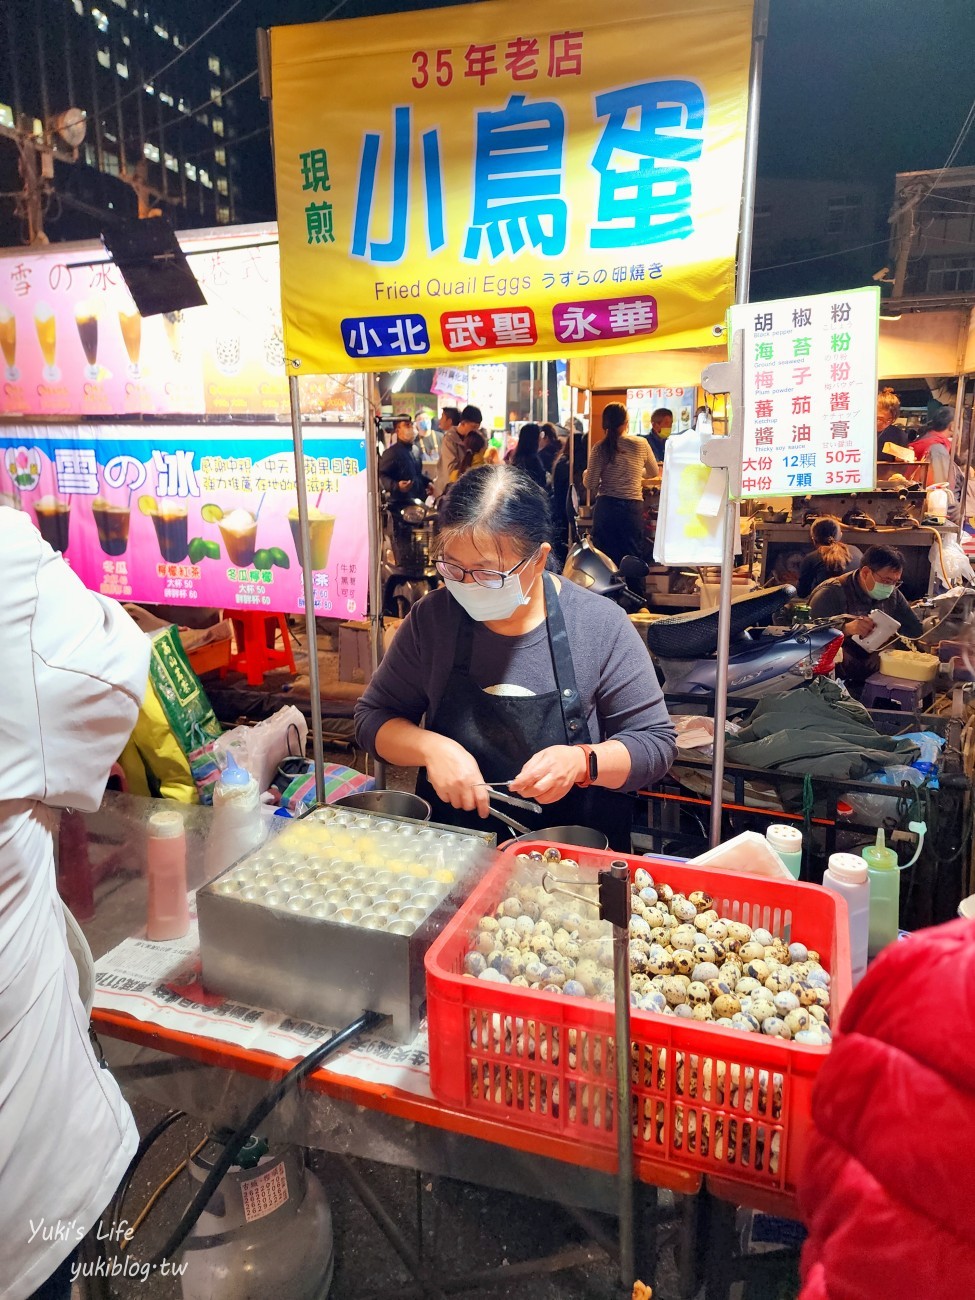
(502, 180)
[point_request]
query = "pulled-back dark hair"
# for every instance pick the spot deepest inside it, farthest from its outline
(614, 422)
(528, 436)
(883, 557)
(828, 537)
(495, 503)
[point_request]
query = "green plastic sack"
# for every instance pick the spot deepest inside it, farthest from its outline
(180, 692)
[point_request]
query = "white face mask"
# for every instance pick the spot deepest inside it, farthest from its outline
(488, 604)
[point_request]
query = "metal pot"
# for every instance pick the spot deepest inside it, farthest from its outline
(390, 803)
(581, 836)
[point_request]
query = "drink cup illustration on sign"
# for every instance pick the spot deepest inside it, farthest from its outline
(238, 529)
(130, 323)
(320, 529)
(46, 327)
(53, 517)
(86, 319)
(8, 343)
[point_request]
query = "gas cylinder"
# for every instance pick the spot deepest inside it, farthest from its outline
(267, 1230)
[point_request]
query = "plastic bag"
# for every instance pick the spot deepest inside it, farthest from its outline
(930, 744)
(691, 510)
(261, 748)
(180, 692)
(950, 562)
(878, 808)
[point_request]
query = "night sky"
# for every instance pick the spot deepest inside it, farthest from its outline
(853, 89)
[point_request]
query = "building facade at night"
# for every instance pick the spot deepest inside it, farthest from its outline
(160, 129)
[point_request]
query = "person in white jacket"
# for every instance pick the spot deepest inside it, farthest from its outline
(73, 670)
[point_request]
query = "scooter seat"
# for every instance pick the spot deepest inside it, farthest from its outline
(695, 635)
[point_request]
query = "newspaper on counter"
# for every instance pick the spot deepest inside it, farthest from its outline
(159, 984)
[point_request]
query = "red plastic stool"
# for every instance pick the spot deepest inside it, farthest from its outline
(256, 653)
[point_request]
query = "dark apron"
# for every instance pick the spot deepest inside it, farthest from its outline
(502, 732)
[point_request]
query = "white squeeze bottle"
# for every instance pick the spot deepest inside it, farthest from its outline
(237, 825)
(847, 876)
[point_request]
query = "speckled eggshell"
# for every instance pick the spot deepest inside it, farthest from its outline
(717, 931)
(704, 950)
(726, 1005)
(799, 1019)
(764, 937)
(674, 991)
(745, 1022)
(704, 919)
(685, 936)
(660, 961)
(718, 988)
(683, 909)
(684, 961)
(739, 932)
(642, 878)
(746, 986)
(786, 1002)
(702, 1011)
(758, 970)
(702, 901)
(697, 993)
(704, 971)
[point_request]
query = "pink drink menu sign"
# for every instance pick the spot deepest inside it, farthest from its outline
(196, 516)
(73, 344)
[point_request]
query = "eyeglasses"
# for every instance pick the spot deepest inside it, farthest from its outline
(493, 578)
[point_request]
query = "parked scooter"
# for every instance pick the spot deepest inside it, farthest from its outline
(765, 660)
(407, 568)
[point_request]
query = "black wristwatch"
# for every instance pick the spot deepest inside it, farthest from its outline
(592, 767)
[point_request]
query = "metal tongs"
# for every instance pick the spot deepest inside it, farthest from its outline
(498, 794)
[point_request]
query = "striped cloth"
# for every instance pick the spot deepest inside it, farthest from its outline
(623, 475)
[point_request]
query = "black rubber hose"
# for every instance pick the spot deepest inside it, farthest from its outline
(148, 1141)
(368, 1020)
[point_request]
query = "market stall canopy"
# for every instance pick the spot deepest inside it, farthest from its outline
(496, 181)
(914, 346)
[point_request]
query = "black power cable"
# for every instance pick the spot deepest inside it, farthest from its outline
(148, 1141)
(368, 1020)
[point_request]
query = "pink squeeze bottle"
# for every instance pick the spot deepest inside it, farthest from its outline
(169, 913)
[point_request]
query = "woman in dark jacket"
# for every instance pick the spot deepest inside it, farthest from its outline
(830, 558)
(526, 456)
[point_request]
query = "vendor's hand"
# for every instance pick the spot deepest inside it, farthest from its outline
(551, 773)
(405, 484)
(859, 626)
(455, 775)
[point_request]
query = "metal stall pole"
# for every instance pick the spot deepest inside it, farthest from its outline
(956, 448)
(572, 465)
(615, 906)
(759, 34)
(308, 581)
(307, 575)
(371, 409)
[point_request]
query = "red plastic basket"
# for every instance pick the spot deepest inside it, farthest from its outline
(706, 1100)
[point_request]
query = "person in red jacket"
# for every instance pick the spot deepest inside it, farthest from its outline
(889, 1183)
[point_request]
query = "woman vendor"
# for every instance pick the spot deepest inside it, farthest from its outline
(521, 677)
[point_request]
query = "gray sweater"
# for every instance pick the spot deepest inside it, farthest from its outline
(616, 680)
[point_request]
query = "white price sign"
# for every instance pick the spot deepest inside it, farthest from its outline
(810, 393)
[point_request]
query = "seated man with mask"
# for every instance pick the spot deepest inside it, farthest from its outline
(874, 585)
